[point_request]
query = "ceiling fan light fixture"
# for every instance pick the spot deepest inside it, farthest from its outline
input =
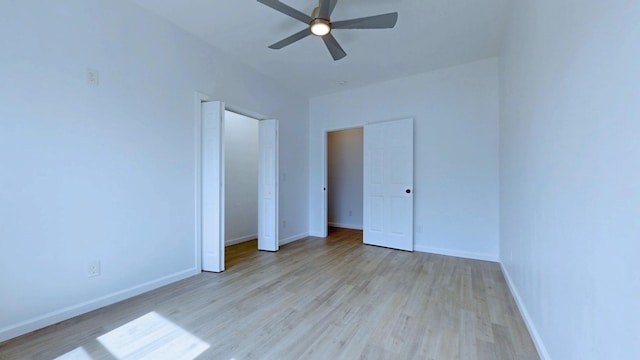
(320, 27)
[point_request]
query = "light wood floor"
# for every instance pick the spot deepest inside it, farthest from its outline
(331, 298)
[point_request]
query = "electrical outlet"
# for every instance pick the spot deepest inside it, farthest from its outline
(93, 268)
(284, 223)
(350, 213)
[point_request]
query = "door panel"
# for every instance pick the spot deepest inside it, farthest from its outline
(388, 184)
(212, 186)
(268, 186)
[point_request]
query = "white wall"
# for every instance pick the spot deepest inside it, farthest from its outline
(570, 195)
(241, 178)
(108, 173)
(456, 152)
(345, 162)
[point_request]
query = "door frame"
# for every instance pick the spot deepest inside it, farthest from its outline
(199, 98)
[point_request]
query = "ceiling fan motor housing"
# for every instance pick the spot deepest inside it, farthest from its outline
(316, 13)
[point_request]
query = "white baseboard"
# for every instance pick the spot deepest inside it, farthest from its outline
(240, 240)
(346, 226)
(54, 317)
(460, 254)
(316, 234)
(537, 340)
(291, 239)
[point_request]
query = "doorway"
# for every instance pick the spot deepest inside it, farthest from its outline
(387, 200)
(345, 162)
(210, 183)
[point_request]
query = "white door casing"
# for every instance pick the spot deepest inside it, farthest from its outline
(268, 186)
(212, 166)
(388, 184)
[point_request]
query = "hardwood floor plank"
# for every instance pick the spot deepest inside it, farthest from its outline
(332, 298)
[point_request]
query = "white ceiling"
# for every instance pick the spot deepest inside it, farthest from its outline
(430, 34)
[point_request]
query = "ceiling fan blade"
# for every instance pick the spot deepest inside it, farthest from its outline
(384, 21)
(334, 48)
(333, 6)
(291, 39)
(287, 10)
(326, 8)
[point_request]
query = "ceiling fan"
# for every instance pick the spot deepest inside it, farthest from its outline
(320, 24)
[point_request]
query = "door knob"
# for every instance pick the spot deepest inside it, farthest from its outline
(408, 191)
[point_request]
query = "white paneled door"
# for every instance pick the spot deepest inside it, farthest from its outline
(388, 184)
(212, 186)
(267, 186)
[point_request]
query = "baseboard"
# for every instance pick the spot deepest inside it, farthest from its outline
(240, 240)
(291, 239)
(460, 254)
(316, 234)
(537, 340)
(55, 317)
(346, 226)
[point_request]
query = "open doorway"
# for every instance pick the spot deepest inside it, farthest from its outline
(241, 187)
(210, 183)
(387, 189)
(345, 162)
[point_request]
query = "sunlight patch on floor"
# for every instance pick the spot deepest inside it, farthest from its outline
(76, 354)
(152, 337)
